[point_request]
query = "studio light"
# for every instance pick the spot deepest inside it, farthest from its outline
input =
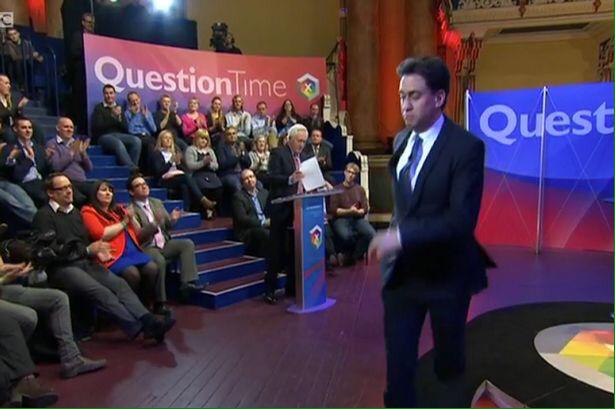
(162, 5)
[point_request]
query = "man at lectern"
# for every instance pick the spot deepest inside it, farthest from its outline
(285, 180)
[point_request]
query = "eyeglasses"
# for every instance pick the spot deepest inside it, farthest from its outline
(62, 188)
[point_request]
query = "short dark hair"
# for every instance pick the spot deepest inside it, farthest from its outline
(432, 69)
(108, 86)
(22, 118)
(51, 178)
(132, 178)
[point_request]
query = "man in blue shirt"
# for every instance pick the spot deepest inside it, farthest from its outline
(141, 123)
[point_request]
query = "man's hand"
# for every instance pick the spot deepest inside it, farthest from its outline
(22, 102)
(296, 176)
(117, 111)
(267, 223)
(83, 146)
(49, 152)
(175, 215)
(2, 144)
(14, 153)
(384, 244)
(101, 249)
(15, 271)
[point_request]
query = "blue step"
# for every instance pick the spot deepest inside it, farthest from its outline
(229, 269)
(188, 221)
(206, 253)
(95, 150)
(120, 183)
(34, 111)
(204, 236)
(216, 299)
(103, 160)
(122, 195)
(44, 120)
(104, 172)
(170, 205)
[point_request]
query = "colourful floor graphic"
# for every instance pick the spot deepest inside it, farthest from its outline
(583, 351)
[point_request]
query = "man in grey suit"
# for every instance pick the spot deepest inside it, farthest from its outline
(431, 261)
(157, 242)
(250, 222)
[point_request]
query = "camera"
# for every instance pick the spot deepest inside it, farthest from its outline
(32, 248)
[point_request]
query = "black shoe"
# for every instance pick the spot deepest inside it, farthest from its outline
(31, 394)
(270, 298)
(162, 309)
(156, 329)
(192, 286)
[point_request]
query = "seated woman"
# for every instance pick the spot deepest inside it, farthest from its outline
(286, 118)
(105, 220)
(193, 120)
(259, 157)
(167, 163)
(202, 163)
(216, 122)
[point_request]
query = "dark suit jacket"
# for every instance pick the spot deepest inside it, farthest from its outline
(17, 171)
(103, 122)
(440, 255)
(244, 211)
(227, 160)
(324, 151)
(281, 166)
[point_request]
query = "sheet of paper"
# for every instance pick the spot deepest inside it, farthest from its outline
(313, 178)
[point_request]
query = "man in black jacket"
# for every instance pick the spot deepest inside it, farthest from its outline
(430, 260)
(110, 130)
(250, 220)
(26, 162)
(284, 180)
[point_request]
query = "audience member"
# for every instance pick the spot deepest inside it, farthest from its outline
(216, 122)
(349, 210)
(250, 222)
(167, 168)
(240, 119)
(157, 242)
(193, 120)
(232, 158)
(11, 107)
(314, 120)
(167, 118)
(70, 156)
(263, 124)
(322, 152)
(284, 180)
(26, 163)
(110, 130)
(76, 70)
(13, 198)
(19, 386)
(202, 164)
(105, 220)
(259, 158)
(287, 117)
(22, 56)
(141, 123)
(24, 304)
(79, 275)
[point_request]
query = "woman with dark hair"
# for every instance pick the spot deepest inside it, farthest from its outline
(286, 118)
(216, 122)
(105, 220)
(193, 120)
(167, 167)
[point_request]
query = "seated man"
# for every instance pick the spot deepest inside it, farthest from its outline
(141, 123)
(250, 223)
(232, 158)
(26, 162)
(157, 242)
(13, 199)
(78, 274)
(24, 304)
(264, 124)
(70, 156)
(110, 130)
(18, 384)
(322, 152)
(240, 119)
(349, 210)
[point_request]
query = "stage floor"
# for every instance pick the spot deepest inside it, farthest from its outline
(253, 354)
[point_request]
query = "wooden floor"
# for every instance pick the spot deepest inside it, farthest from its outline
(253, 354)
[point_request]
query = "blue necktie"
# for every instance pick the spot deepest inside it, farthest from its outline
(410, 168)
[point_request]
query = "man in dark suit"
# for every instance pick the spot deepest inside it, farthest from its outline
(250, 222)
(430, 260)
(284, 180)
(26, 162)
(322, 151)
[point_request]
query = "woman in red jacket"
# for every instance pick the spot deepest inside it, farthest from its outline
(105, 220)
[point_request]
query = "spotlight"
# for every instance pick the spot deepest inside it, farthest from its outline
(162, 5)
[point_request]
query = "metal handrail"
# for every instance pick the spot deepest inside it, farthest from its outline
(56, 90)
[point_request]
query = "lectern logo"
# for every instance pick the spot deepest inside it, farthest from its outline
(308, 86)
(316, 236)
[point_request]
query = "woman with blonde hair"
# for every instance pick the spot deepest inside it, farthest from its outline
(259, 156)
(193, 120)
(167, 167)
(202, 163)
